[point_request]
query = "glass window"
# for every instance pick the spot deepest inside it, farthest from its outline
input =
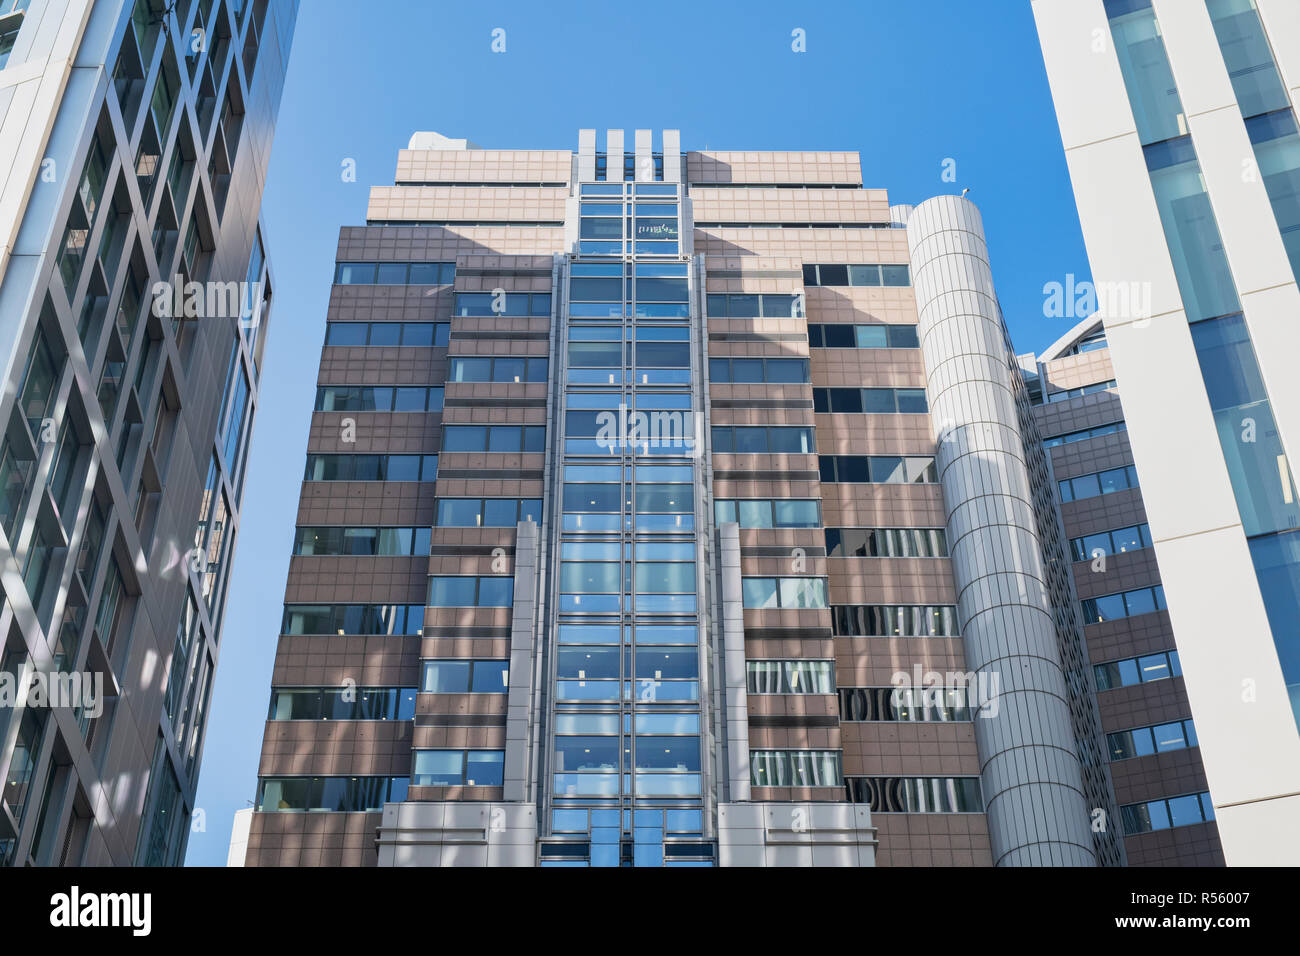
(864, 275)
(759, 592)
(355, 273)
(1152, 91)
(391, 273)
(833, 275)
(1139, 602)
(446, 677)
(1247, 55)
(438, 768)
(1277, 567)
(1185, 810)
(871, 336)
(418, 334)
(452, 591)
(895, 275)
(430, 273)
(346, 333)
(1191, 230)
(464, 438)
(1261, 477)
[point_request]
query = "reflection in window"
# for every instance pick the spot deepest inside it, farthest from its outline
(1111, 607)
(795, 768)
(1252, 446)
(790, 677)
(1163, 814)
(1137, 670)
(339, 794)
(886, 543)
(454, 768)
(465, 677)
(332, 703)
(785, 593)
(917, 794)
(894, 620)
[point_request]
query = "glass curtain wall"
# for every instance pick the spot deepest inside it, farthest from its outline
(626, 777)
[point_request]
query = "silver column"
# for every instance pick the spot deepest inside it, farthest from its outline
(1031, 779)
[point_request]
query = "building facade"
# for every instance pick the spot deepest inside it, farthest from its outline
(673, 508)
(1179, 126)
(134, 303)
(1152, 750)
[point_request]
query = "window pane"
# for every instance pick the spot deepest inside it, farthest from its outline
(491, 677)
(464, 438)
(871, 336)
(446, 677)
(496, 592)
(435, 768)
(451, 591)
(759, 592)
(346, 334)
(504, 438)
(755, 514)
(500, 512)
(484, 768)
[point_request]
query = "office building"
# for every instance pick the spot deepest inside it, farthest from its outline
(1179, 128)
(673, 508)
(134, 305)
(1152, 749)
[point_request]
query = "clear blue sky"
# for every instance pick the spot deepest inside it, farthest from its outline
(909, 85)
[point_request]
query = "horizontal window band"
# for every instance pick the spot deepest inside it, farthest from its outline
(758, 403)
(774, 552)
(494, 402)
(793, 720)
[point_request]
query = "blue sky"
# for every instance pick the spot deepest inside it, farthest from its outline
(909, 85)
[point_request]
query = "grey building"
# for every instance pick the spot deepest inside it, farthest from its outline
(135, 298)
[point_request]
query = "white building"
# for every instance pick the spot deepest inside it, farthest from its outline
(1178, 122)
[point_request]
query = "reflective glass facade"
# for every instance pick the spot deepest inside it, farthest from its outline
(627, 776)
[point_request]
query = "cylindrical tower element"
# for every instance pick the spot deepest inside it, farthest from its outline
(1031, 776)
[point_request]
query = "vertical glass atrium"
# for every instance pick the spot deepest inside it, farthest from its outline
(626, 777)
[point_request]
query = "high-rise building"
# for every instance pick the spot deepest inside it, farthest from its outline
(134, 303)
(693, 508)
(1151, 743)
(1179, 126)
